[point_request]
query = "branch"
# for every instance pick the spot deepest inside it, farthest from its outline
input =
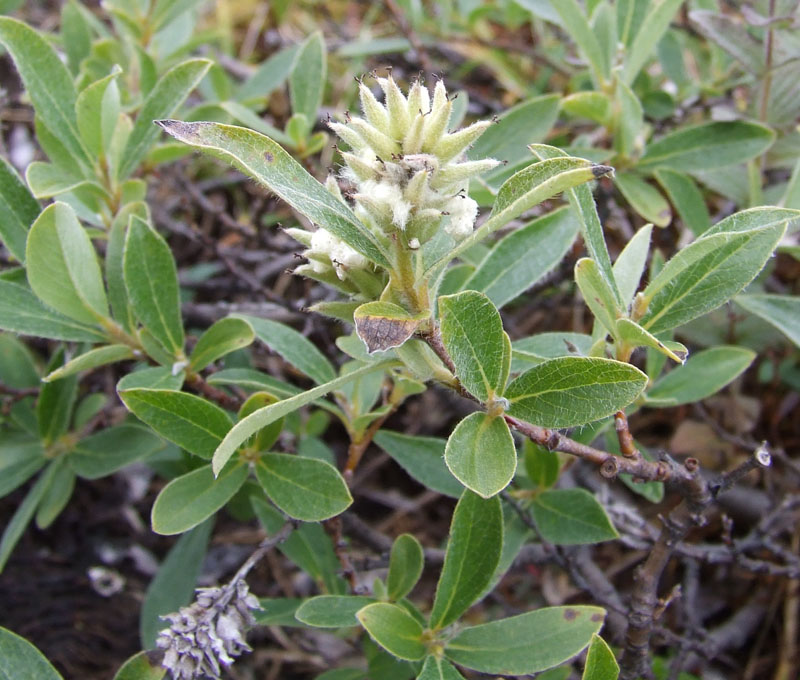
(646, 608)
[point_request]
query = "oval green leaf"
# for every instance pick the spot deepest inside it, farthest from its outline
(151, 279)
(20, 659)
(571, 517)
(304, 488)
(472, 334)
(571, 391)
(224, 336)
(528, 643)
(194, 497)
(481, 455)
(62, 265)
(704, 374)
(394, 629)
(189, 421)
(332, 611)
(707, 146)
(405, 566)
(294, 347)
(473, 553)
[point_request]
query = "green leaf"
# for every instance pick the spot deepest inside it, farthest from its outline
(166, 96)
(48, 179)
(269, 414)
(753, 219)
(294, 347)
(22, 312)
(307, 79)
(706, 274)
(472, 334)
(473, 552)
(308, 546)
(524, 257)
(384, 325)
(18, 368)
(707, 146)
(76, 35)
(165, 11)
(632, 334)
(631, 262)
(100, 356)
(595, 106)
(628, 121)
(481, 455)
(571, 517)
(304, 488)
(151, 279)
(704, 374)
(504, 647)
(577, 25)
(57, 494)
(22, 517)
(265, 438)
(173, 585)
(156, 378)
(644, 198)
(652, 29)
(597, 293)
(278, 611)
(537, 348)
(526, 189)
(541, 464)
(224, 336)
(583, 205)
(20, 458)
(573, 391)
(394, 629)
(191, 422)
(109, 450)
(269, 75)
(115, 251)
(733, 37)
(405, 566)
(18, 210)
(97, 110)
(47, 82)
(250, 379)
(423, 459)
(332, 611)
(62, 265)
(782, 311)
(20, 660)
(438, 669)
(139, 667)
(600, 661)
(264, 160)
(525, 123)
(686, 197)
(55, 403)
(194, 497)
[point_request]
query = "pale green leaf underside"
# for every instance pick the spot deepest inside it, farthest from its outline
(264, 160)
(269, 414)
